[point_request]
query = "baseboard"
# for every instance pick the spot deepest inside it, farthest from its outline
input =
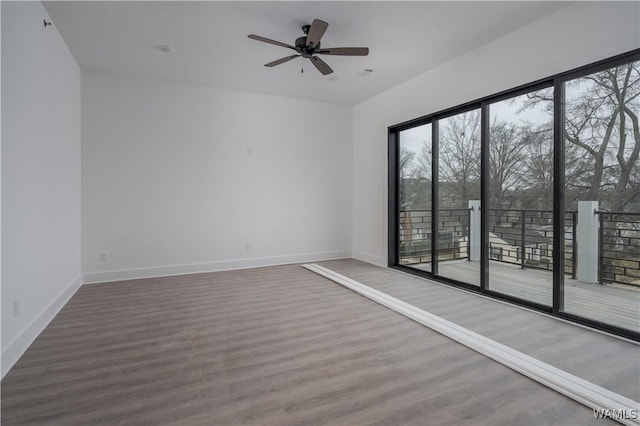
(196, 268)
(12, 353)
(369, 258)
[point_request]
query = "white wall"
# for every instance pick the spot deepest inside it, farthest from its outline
(40, 175)
(575, 35)
(178, 178)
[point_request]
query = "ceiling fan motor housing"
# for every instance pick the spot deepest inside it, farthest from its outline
(305, 51)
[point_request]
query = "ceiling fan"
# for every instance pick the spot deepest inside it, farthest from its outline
(309, 46)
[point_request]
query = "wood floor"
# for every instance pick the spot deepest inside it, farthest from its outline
(606, 361)
(277, 345)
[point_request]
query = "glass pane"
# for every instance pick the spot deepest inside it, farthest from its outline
(415, 197)
(459, 188)
(521, 197)
(602, 178)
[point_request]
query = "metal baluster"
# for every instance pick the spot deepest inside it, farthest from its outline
(522, 235)
(574, 245)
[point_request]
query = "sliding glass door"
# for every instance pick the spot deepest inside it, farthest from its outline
(520, 213)
(602, 188)
(530, 195)
(414, 216)
(459, 197)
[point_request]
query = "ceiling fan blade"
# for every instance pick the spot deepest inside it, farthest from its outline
(344, 51)
(321, 65)
(268, 40)
(281, 61)
(316, 32)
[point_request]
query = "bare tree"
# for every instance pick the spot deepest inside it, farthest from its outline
(407, 170)
(625, 84)
(424, 160)
(507, 148)
(537, 168)
(602, 136)
(459, 158)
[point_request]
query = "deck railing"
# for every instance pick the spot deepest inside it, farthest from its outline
(619, 247)
(513, 233)
(525, 238)
(415, 235)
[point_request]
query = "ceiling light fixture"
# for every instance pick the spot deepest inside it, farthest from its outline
(365, 72)
(166, 48)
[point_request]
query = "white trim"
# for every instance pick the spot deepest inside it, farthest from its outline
(578, 389)
(197, 268)
(14, 350)
(369, 258)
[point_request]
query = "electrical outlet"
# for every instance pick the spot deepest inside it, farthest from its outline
(103, 256)
(16, 307)
(249, 245)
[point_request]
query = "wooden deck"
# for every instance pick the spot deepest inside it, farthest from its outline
(615, 304)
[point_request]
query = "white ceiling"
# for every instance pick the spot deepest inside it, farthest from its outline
(212, 48)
